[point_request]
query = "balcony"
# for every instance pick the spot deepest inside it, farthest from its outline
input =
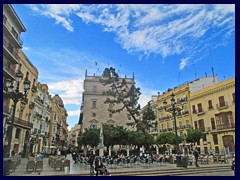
(10, 52)
(210, 108)
(180, 127)
(12, 34)
(31, 105)
(38, 115)
(49, 108)
(9, 70)
(202, 128)
(21, 122)
(6, 110)
(39, 100)
(225, 126)
(179, 114)
(222, 105)
(24, 101)
(194, 112)
(208, 129)
(186, 113)
(34, 88)
(200, 112)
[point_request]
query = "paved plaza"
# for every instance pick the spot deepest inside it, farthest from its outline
(83, 169)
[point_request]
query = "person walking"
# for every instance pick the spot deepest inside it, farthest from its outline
(196, 154)
(98, 165)
(91, 163)
(185, 156)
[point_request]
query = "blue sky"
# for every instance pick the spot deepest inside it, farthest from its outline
(164, 45)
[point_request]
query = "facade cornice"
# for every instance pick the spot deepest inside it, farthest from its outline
(211, 92)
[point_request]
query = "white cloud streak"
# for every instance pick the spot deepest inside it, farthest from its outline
(70, 91)
(165, 30)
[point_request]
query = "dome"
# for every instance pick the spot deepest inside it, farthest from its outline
(58, 100)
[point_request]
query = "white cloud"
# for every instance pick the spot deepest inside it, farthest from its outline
(26, 48)
(74, 113)
(58, 12)
(165, 30)
(70, 91)
(146, 94)
(183, 63)
(225, 8)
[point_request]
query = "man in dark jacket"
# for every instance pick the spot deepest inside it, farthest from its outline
(98, 165)
(91, 163)
(196, 154)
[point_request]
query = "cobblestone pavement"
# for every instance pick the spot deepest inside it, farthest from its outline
(82, 169)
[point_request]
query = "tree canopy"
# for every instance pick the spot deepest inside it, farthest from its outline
(90, 137)
(122, 93)
(148, 116)
(167, 138)
(193, 135)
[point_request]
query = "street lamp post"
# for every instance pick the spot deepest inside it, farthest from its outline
(174, 108)
(16, 96)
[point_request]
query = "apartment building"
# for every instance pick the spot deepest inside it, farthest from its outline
(41, 119)
(183, 118)
(73, 135)
(14, 59)
(213, 111)
(58, 129)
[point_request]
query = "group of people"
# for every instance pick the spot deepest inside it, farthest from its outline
(97, 165)
(195, 154)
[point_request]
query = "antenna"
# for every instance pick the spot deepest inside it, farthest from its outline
(178, 76)
(213, 75)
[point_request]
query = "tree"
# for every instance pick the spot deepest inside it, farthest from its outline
(112, 135)
(90, 137)
(193, 135)
(122, 93)
(148, 116)
(136, 138)
(166, 138)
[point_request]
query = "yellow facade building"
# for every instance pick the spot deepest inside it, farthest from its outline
(58, 129)
(166, 119)
(184, 121)
(213, 110)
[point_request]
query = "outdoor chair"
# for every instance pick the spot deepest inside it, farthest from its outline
(223, 159)
(50, 160)
(39, 165)
(12, 166)
(30, 165)
(53, 161)
(190, 160)
(66, 163)
(58, 164)
(205, 159)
